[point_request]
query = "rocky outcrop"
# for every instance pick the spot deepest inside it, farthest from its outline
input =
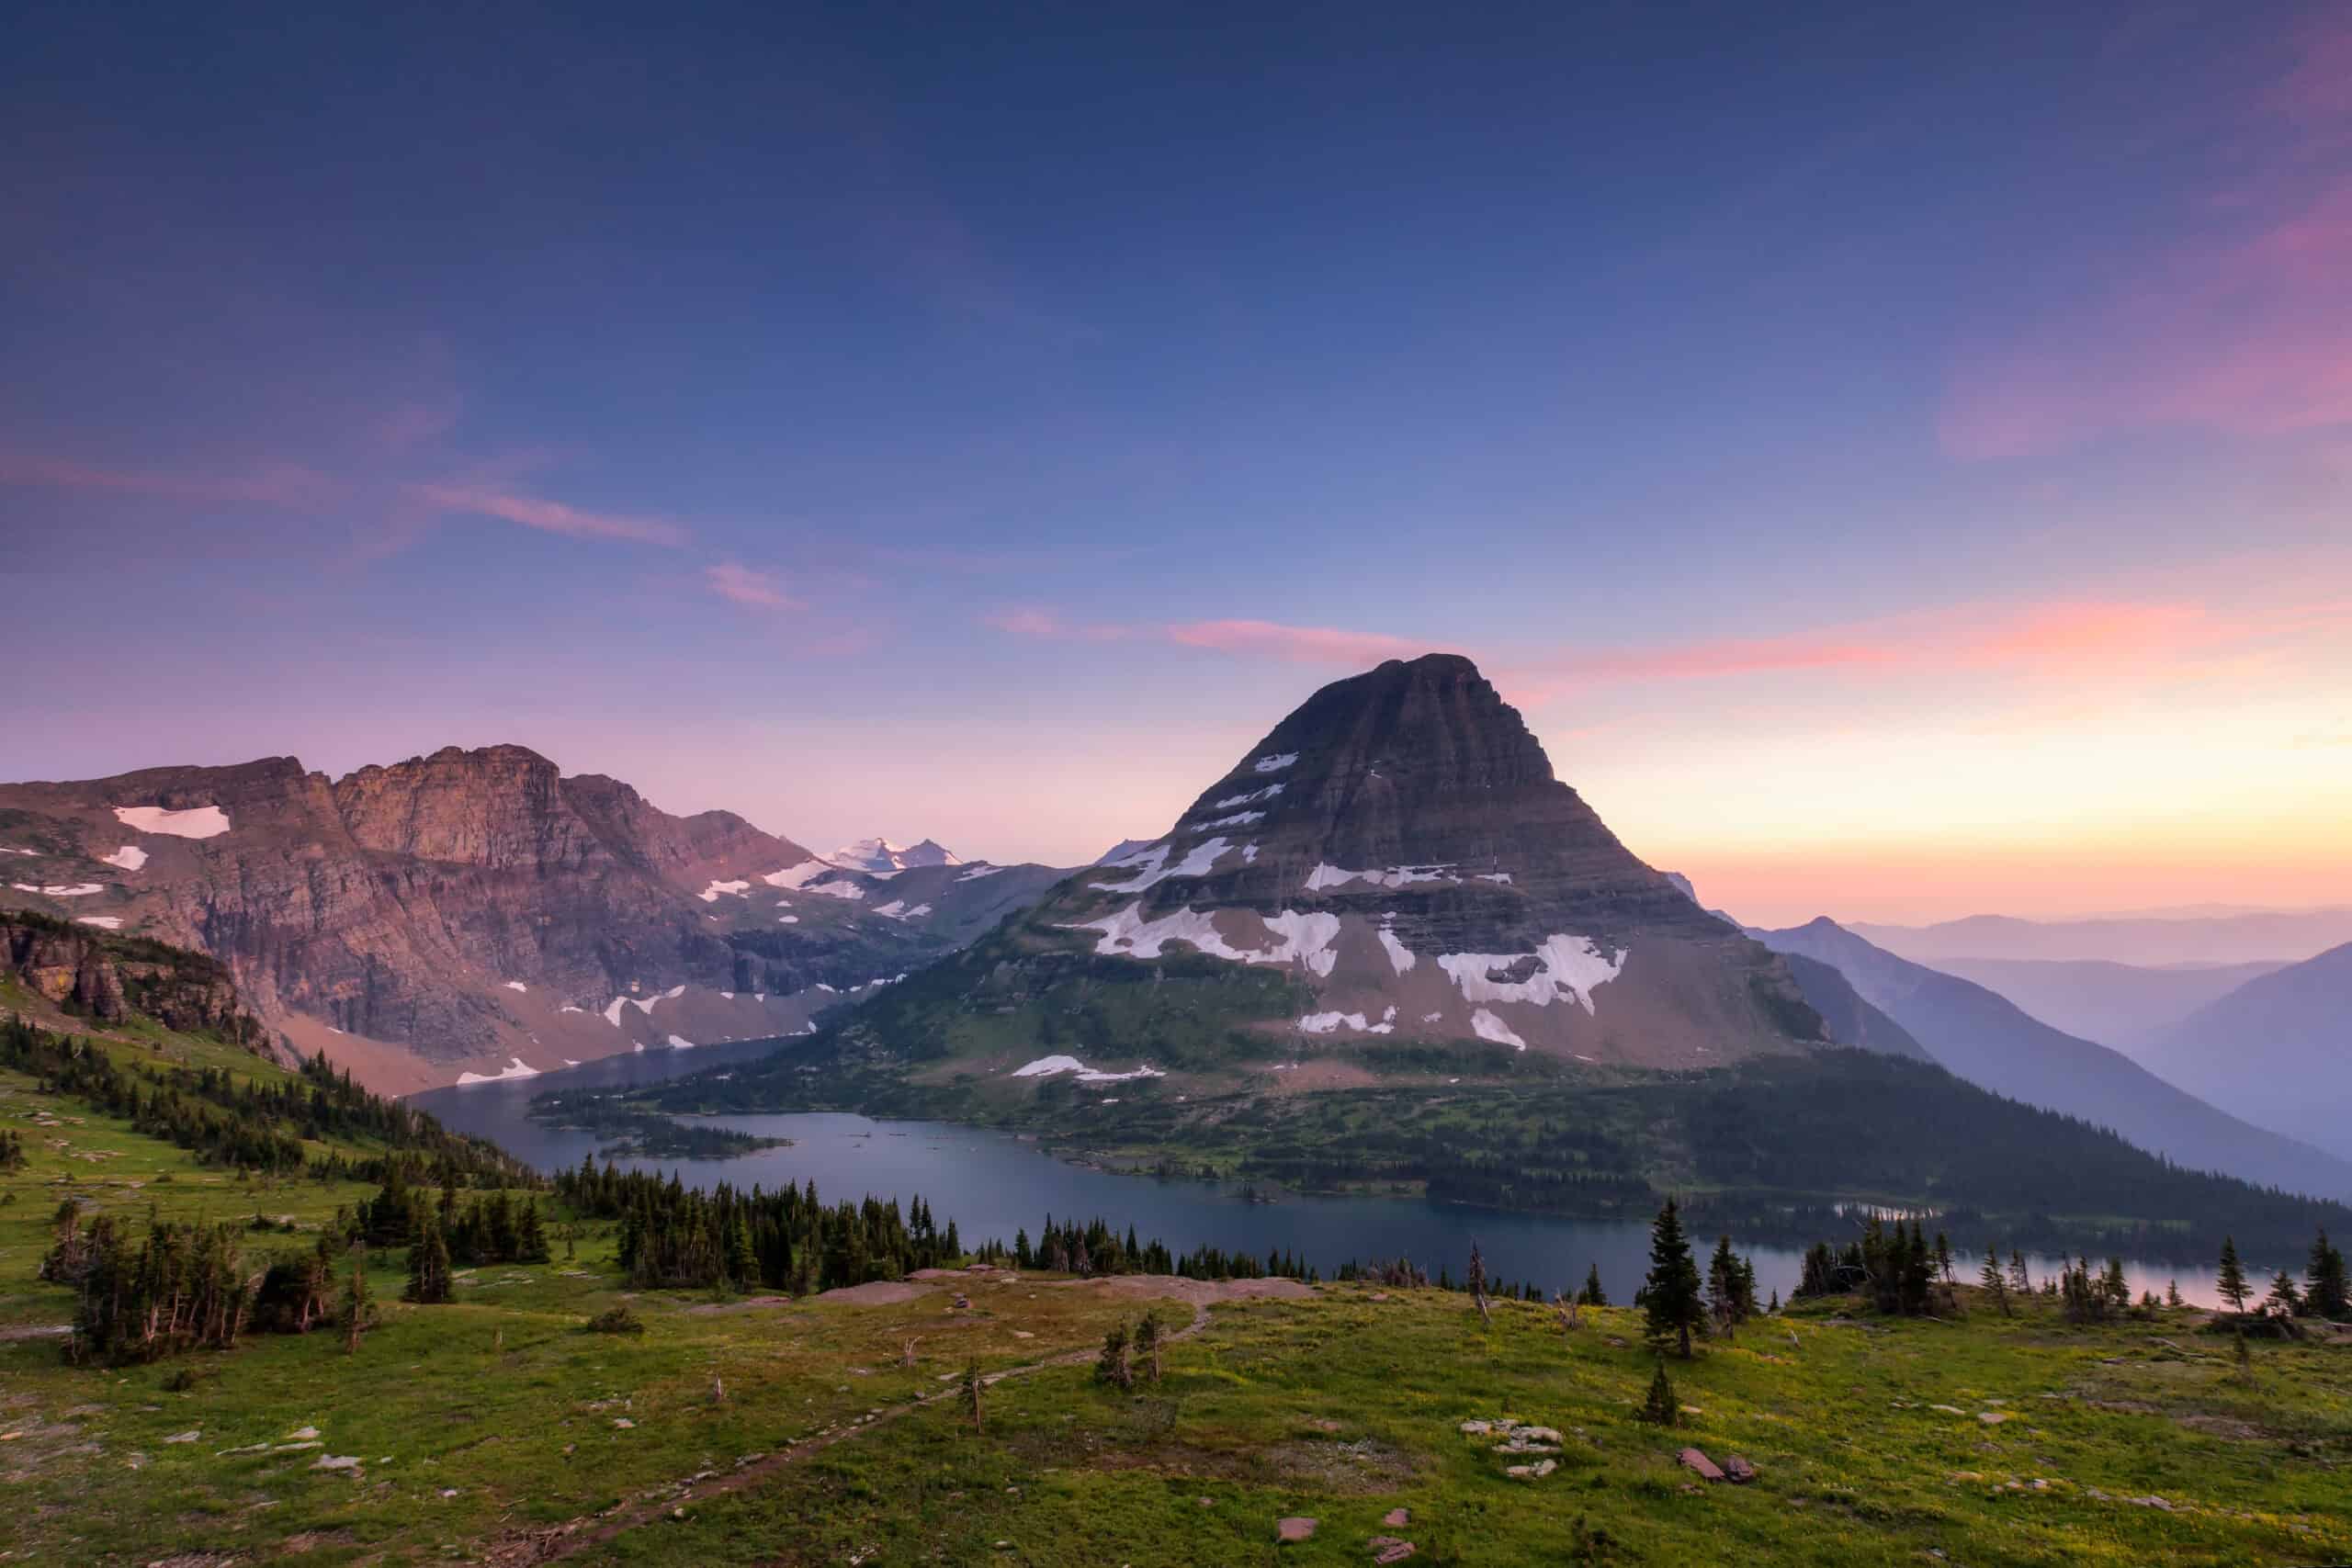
(107, 979)
(470, 907)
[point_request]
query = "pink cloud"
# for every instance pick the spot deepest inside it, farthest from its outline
(1046, 625)
(287, 485)
(1295, 645)
(550, 517)
(2242, 326)
(741, 585)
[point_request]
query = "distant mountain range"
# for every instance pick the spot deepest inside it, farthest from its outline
(1986, 1039)
(2123, 1005)
(479, 914)
(2287, 936)
(2277, 1049)
(880, 857)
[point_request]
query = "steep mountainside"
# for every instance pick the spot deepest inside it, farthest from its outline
(1394, 866)
(1985, 1039)
(2125, 1005)
(2279, 936)
(2278, 1050)
(477, 910)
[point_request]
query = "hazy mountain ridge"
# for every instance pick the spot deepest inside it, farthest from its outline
(2287, 936)
(2278, 1049)
(1984, 1038)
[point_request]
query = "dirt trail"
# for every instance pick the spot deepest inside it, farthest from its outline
(584, 1534)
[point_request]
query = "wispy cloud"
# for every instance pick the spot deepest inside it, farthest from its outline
(741, 584)
(2242, 325)
(550, 517)
(1048, 626)
(291, 486)
(1296, 645)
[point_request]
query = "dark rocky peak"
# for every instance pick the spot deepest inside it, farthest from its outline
(500, 807)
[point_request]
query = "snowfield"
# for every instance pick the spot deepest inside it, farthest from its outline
(131, 857)
(1567, 966)
(710, 894)
(1198, 861)
(1047, 1066)
(1324, 876)
(1486, 1026)
(1274, 762)
(197, 822)
(519, 1069)
(800, 875)
(1301, 938)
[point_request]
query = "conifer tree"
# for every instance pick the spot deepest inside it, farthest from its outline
(2285, 1301)
(2231, 1283)
(1670, 1294)
(428, 1265)
(1728, 1288)
(1994, 1283)
(1661, 1408)
(2326, 1292)
(2019, 1281)
(1113, 1366)
(1477, 1281)
(1147, 1348)
(2172, 1293)
(1592, 1294)
(355, 1307)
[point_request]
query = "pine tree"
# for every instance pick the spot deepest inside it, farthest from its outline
(743, 1263)
(2231, 1283)
(2285, 1300)
(1478, 1282)
(1994, 1283)
(1726, 1290)
(1943, 1259)
(2019, 1281)
(428, 1265)
(1661, 1408)
(1592, 1294)
(1671, 1295)
(1111, 1366)
(2172, 1293)
(354, 1308)
(1147, 1348)
(2326, 1293)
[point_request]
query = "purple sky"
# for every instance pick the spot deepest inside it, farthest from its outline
(1898, 459)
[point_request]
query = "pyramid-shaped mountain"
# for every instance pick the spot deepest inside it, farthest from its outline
(1393, 863)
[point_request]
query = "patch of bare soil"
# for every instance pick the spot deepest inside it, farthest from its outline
(746, 1304)
(875, 1292)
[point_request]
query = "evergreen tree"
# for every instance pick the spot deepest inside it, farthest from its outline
(1147, 1348)
(428, 1265)
(2285, 1300)
(2172, 1293)
(355, 1307)
(1661, 1408)
(1994, 1283)
(1670, 1294)
(2231, 1283)
(1592, 1294)
(2326, 1290)
(1477, 1281)
(743, 1263)
(2019, 1281)
(1943, 1259)
(1113, 1366)
(1730, 1288)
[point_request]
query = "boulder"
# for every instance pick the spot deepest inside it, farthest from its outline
(1293, 1530)
(1693, 1459)
(1389, 1548)
(1396, 1518)
(1738, 1472)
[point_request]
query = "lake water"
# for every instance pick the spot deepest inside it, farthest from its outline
(993, 1184)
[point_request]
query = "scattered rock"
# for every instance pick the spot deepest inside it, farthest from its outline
(1691, 1459)
(2150, 1503)
(1396, 1518)
(1296, 1528)
(187, 1437)
(623, 1421)
(1738, 1472)
(1327, 1425)
(1536, 1471)
(1949, 1409)
(300, 1433)
(1993, 1418)
(1389, 1548)
(1477, 1428)
(335, 1462)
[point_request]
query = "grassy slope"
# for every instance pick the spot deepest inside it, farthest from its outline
(501, 1400)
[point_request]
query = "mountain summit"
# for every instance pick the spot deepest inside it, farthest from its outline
(1394, 861)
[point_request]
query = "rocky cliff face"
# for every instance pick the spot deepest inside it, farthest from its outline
(88, 973)
(1398, 855)
(474, 909)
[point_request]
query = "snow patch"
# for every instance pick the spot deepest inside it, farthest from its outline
(1400, 957)
(11, 849)
(1501, 876)
(787, 919)
(895, 908)
(572, 1007)
(1486, 1026)
(1238, 820)
(1567, 966)
(1432, 1017)
(131, 857)
(1046, 1066)
(1301, 938)
(1324, 876)
(1251, 798)
(976, 872)
(104, 922)
(1330, 1022)
(60, 890)
(516, 986)
(679, 1043)
(199, 822)
(844, 889)
(569, 1063)
(1249, 855)
(518, 1069)
(710, 894)
(800, 875)
(1274, 762)
(1198, 860)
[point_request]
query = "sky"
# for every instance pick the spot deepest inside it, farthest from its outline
(1898, 458)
